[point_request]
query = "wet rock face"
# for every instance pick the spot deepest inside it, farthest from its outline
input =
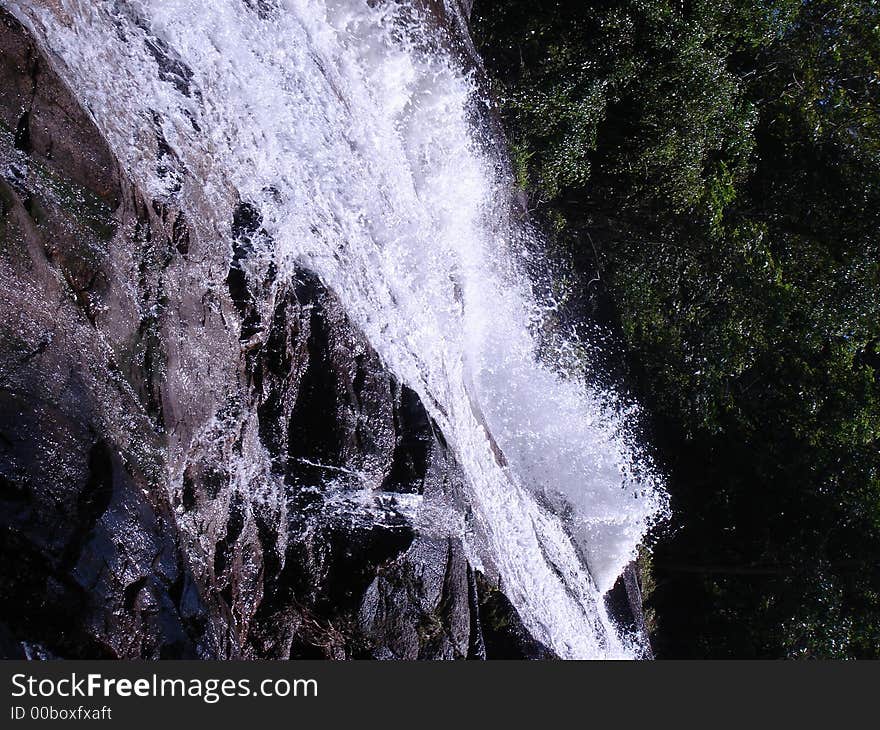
(198, 459)
(46, 119)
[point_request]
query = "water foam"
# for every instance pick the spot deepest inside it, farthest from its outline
(352, 128)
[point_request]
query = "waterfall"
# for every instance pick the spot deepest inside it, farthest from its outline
(354, 128)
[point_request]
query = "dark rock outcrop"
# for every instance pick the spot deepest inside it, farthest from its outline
(625, 604)
(197, 459)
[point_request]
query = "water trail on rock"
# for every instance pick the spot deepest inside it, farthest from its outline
(351, 126)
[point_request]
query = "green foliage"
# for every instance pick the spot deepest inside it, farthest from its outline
(722, 160)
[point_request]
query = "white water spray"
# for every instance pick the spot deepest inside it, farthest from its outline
(349, 126)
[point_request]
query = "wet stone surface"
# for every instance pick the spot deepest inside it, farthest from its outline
(197, 461)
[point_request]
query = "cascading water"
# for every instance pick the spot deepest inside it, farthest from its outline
(351, 126)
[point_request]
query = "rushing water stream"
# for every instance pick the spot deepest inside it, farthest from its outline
(353, 129)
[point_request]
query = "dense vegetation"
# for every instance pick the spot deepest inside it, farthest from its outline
(717, 162)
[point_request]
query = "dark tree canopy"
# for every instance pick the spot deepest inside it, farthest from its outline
(719, 163)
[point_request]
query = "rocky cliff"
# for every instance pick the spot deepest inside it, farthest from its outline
(144, 370)
(198, 457)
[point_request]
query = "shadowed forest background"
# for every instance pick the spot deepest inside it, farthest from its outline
(713, 170)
